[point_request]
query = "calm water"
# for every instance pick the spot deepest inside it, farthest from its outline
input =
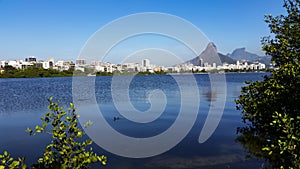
(23, 102)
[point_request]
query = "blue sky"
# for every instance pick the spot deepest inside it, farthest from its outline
(60, 28)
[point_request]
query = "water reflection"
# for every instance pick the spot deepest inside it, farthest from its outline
(211, 95)
(252, 143)
(223, 161)
(23, 101)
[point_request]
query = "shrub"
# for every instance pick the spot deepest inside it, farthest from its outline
(68, 148)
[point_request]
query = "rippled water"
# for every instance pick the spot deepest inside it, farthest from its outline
(23, 102)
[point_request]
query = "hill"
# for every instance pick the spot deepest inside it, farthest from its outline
(210, 55)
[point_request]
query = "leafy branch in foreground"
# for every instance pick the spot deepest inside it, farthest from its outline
(6, 161)
(68, 148)
(270, 108)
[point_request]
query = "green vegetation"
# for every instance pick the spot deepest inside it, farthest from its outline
(104, 74)
(33, 72)
(30, 72)
(68, 148)
(270, 108)
(6, 161)
(150, 73)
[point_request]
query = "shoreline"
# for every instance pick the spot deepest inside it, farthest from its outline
(136, 74)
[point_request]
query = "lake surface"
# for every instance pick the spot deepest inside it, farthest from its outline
(24, 101)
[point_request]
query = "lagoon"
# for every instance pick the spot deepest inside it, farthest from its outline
(24, 101)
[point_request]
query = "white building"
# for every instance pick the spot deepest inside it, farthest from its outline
(146, 63)
(80, 62)
(3, 63)
(48, 64)
(30, 59)
(214, 65)
(15, 63)
(60, 65)
(79, 68)
(99, 68)
(173, 69)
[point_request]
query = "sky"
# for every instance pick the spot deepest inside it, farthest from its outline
(60, 28)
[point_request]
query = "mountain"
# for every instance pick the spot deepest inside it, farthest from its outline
(242, 54)
(210, 55)
(226, 59)
(265, 60)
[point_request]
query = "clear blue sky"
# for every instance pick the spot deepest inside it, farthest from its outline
(60, 28)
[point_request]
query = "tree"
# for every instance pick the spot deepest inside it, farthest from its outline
(9, 71)
(270, 108)
(68, 148)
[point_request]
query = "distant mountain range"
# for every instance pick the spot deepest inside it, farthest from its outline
(211, 55)
(242, 54)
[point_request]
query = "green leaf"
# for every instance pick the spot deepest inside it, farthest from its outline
(65, 149)
(266, 149)
(14, 164)
(79, 134)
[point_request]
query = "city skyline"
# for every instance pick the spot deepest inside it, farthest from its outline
(59, 29)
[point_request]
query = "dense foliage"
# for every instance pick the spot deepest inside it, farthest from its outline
(270, 108)
(6, 161)
(30, 72)
(68, 148)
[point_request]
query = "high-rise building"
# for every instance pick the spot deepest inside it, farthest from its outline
(201, 62)
(146, 63)
(80, 62)
(30, 59)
